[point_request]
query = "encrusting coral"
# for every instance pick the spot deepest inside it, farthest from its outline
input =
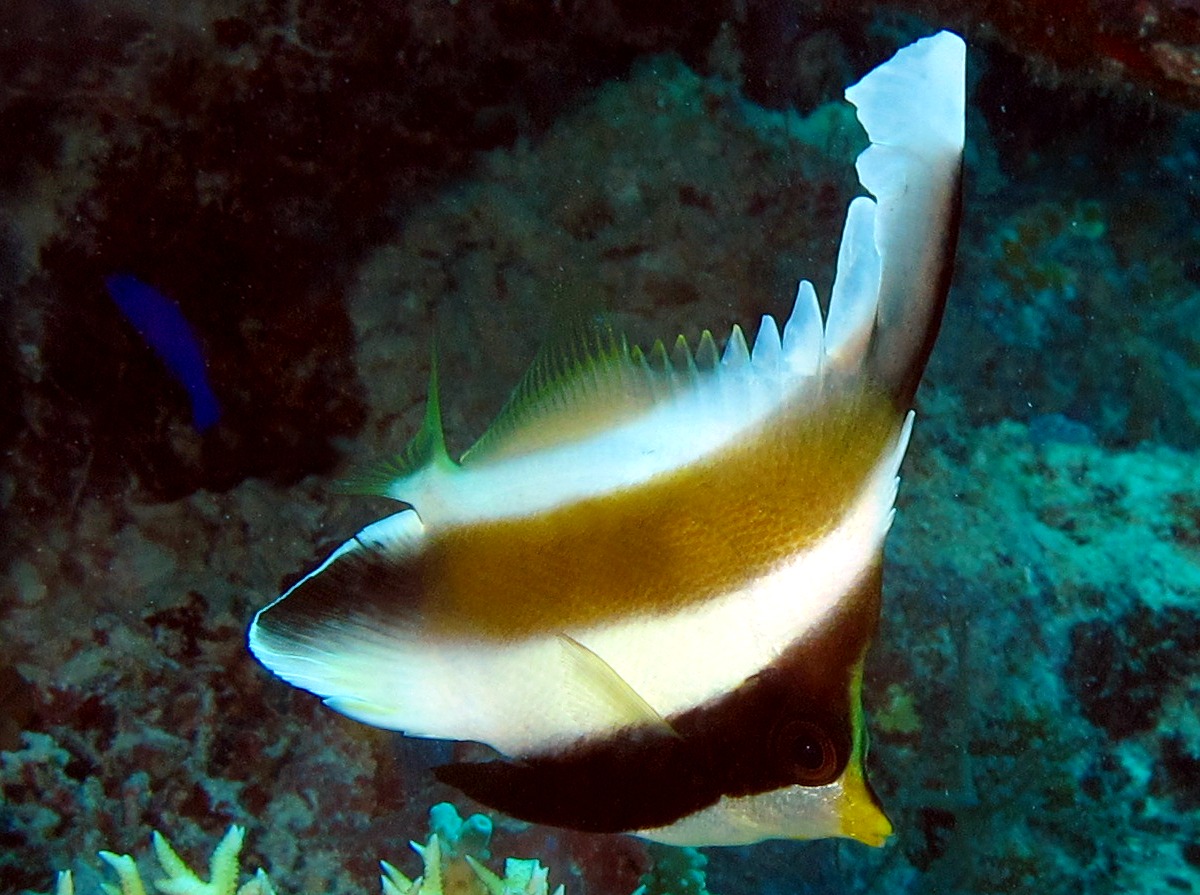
(676, 871)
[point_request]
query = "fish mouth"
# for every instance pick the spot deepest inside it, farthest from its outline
(870, 827)
(860, 812)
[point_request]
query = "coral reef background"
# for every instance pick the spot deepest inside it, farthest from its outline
(314, 181)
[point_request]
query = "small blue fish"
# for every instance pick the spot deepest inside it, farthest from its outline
(165, 329)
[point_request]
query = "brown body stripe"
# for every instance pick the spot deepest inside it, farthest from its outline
(675, 541)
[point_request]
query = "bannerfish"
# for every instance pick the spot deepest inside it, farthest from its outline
(162, 325)
(652, 582)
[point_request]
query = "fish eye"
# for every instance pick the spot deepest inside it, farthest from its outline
(808, 752)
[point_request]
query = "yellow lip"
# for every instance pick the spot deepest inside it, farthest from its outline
(860, 813)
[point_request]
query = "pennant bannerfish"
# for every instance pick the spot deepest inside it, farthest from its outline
(652, 582)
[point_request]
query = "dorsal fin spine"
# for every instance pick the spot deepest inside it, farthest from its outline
(707, 356)
(392, 477)
(659, 362)
(428, 447)
(737, 354)
(681, 358)
(768, 349)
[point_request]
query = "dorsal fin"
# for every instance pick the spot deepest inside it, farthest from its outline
(582, 377)
(913, 109)
(585, 377)
(588, 377)
(427, 448)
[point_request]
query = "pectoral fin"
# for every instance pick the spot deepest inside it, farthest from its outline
(602, 689)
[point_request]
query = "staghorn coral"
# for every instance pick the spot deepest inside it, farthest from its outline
(223, 871)
(445, 874)
(451, 862)
(449, 866)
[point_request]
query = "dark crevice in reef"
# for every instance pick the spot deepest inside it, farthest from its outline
(243, 168)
